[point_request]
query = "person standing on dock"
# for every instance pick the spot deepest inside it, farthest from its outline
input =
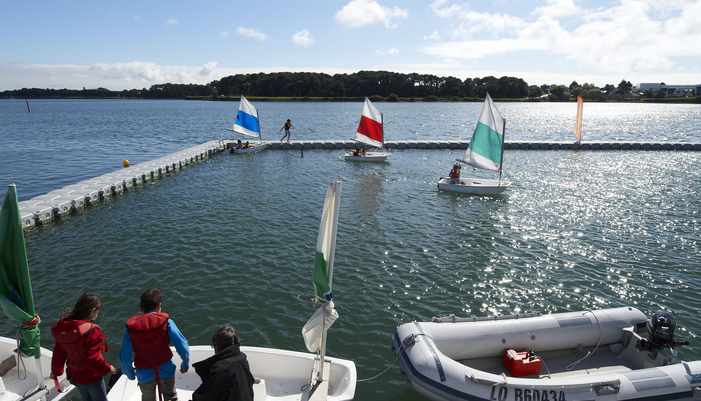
(146, 347)
(287, 127)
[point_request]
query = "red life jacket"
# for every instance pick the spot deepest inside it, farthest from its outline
(71, 335)
(149, 339)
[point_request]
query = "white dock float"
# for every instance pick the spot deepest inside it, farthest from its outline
(46, 208)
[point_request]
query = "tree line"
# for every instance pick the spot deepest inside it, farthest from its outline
(380, 85)
(307, 84)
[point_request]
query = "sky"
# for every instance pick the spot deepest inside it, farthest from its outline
(135, 44)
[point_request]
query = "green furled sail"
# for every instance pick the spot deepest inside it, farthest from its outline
(314, 331)
(326, 244)
(16, 299)
(487, 143)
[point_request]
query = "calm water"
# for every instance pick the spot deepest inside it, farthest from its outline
(232, 239)
(62, 142)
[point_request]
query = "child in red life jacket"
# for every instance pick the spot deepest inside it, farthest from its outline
(146, 354)
(80, 344)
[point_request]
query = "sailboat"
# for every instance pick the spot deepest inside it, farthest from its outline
(578, 125)
(370, 132)
(247, 124)
(284, 375)
(25, 367)
(486, 151)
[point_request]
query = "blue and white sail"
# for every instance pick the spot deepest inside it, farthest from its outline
(247, 122)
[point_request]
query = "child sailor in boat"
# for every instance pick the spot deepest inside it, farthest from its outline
(226, 375)
(146, 347)
(80, 344)
(454, 174)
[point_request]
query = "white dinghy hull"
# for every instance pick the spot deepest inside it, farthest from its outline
(474, 186)
(282, 374)
(17, 385)
(589, 357)
(370, 157)
(252, 149)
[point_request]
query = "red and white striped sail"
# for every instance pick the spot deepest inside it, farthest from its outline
(370, 130)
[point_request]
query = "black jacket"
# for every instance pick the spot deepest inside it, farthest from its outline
(225, 376)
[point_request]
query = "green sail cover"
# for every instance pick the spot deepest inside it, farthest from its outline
(326, 243)
(16, 298)
(486, 145)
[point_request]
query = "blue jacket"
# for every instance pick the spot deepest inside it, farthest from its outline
(167, 369)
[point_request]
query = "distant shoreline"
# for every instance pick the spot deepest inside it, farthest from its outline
(672, 100)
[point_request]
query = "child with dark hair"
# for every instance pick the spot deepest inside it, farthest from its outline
(80, 344)
(226, 375)
(146, 354)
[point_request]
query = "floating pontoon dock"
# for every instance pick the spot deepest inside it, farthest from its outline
(52, 206)
(47, 208)
(516, 145)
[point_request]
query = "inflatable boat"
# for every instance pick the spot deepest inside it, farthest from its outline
(602, 355)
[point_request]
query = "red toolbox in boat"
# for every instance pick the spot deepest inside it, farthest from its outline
(520, 364)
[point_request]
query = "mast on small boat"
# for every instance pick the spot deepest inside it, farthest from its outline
(247, 122)
(578, 125)
(486, 148)
(16, 295)
(315, 330)
(371, 126)
(503, 140)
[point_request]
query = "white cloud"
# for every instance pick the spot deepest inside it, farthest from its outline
(251, 33)
(557, 9)
(171, 21)
(303, 38)
(357, 13)
(392, 51)
(433, 36)
(625, 39)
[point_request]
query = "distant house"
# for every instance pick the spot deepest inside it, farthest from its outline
(671, 90)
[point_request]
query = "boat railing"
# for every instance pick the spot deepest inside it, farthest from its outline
(456, 319)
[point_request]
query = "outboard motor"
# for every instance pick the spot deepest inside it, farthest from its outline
(660, 327)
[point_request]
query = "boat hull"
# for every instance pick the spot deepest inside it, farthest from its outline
(251, 149)
(282, 374)
(26, 389)
(432, 358)
(474, 186)
(370, 157)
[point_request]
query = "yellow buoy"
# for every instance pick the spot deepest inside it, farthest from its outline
(125, 163)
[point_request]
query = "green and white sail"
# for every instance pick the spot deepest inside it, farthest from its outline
(16, 299)
(314, 330)
(487, 143)
(326, 244)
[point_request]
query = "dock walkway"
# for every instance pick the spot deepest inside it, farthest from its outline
(52, 206)
(516, 145)
(56, 204)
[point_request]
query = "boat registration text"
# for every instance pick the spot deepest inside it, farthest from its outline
(525, 394)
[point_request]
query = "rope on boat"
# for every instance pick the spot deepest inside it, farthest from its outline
(596, 347)
(376, 376)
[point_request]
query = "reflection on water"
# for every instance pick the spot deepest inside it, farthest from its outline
(79, 139)
(233, 240)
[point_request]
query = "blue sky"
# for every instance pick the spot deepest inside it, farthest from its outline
(136, 44)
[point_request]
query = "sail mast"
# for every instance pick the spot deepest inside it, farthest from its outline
(332, 255)
(503, 140)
